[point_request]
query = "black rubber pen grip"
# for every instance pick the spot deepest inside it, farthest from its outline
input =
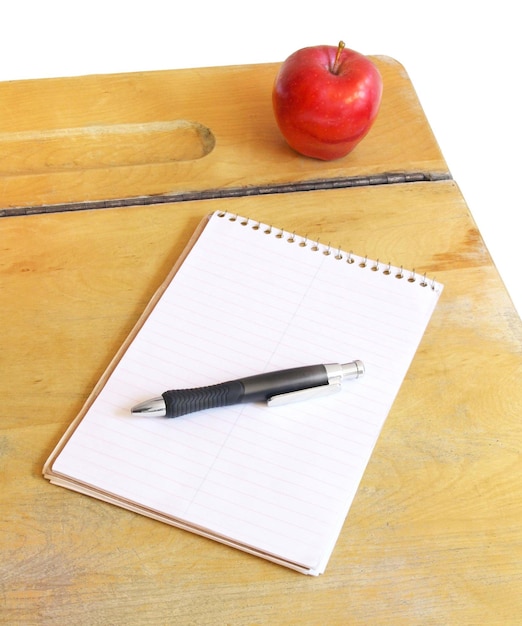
(182, 401)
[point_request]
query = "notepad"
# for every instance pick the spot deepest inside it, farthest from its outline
(246, 298)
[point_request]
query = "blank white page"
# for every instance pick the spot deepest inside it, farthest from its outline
(274, 481)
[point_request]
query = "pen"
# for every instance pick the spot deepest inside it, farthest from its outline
(277, 388)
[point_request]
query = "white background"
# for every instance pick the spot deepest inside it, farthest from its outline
(463, 58)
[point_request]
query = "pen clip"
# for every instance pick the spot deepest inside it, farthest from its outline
(304, 394)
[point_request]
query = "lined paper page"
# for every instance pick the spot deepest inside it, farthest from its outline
(250, 299)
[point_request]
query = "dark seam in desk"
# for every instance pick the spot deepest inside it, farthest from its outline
(387, 178)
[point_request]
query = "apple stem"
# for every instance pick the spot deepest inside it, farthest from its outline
(335, 67)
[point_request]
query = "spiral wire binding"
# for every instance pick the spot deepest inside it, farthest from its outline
(338, 254)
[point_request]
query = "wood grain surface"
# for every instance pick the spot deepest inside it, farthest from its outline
(434, 534)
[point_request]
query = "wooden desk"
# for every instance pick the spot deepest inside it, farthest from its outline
(435, 533)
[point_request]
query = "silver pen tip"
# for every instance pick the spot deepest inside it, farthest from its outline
(155, 408)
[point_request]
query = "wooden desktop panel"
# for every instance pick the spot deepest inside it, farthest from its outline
(434, 533)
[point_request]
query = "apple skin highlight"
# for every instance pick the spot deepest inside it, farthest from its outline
(325, 100)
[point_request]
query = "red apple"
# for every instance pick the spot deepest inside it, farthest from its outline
(325, 100)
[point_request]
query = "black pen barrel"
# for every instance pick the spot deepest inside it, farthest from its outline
(250, 389)
(263, 386)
